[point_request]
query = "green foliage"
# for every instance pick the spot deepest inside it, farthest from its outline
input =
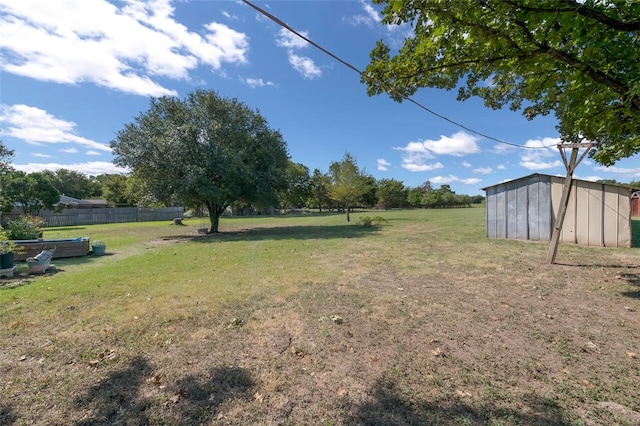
(205, 150)
(6, 245)
(365, 221)
(33, 191)
(576, 59)
(391, 193)
(298, 186)
(320, 183)
(74, 184)
(25, 227)
(348, 182)
(5, 156)
(368, 222)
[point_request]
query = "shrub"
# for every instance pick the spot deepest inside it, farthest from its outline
(368, 222)
(6, 245)
(25, 227)
(379, 220)
(365, 221)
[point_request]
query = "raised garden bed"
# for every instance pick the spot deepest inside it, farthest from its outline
(63, 247)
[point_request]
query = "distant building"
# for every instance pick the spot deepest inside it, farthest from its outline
(598, 214)
(74, 203)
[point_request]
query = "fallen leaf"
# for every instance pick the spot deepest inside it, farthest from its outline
(632, 354)
(462, 394)
(588, 384)
(156, 379)
(341, 392)
(93, 362)
(14, 324)
(437, 352)
(177, 396)
(258, 397)
(22, 358)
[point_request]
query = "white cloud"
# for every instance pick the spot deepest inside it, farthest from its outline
(69, 150)
(414, 167)
(503, 148)
(501, 167)
(122, 48)
(383, 165)
(304, 66)
(290, 40)
(470, 181)
(90, 152)
(540, 165)
(457, 145)
(36, 126)
(257, 82)
(466, 164)
(631, 172)
(537, 154)
(229, 16)
(590, 178)
(92, 168)
(483, 170)
(39, 155)
(452, 178)
(416, 153)
(369, 17)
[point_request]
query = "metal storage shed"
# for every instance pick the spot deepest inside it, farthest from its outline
(597, 214)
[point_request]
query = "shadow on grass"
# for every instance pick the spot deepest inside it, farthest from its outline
(284, 233)
(201, 398)
(634, 280)
(116, 398)
(390, 408)
(7, 417)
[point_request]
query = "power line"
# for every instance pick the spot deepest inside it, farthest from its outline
(385, 87)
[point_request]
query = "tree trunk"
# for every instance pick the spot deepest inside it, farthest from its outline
(215, 211)
(214, 218)
(348, 209)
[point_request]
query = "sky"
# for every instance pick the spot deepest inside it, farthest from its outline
(75, 72)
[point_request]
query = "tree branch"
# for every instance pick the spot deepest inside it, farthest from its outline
(573, 6)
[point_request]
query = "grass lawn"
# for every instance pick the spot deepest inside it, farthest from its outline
(313, 320)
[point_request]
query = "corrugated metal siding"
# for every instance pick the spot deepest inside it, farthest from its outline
(597, 214)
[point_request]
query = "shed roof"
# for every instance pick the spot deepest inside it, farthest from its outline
(556, 177)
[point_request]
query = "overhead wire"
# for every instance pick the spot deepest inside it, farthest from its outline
(384, 86)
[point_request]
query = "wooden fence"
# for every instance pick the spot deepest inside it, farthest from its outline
(73, 217)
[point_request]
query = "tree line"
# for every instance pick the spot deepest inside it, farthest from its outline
(343, 187)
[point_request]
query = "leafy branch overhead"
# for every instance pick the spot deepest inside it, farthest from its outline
(578, 60)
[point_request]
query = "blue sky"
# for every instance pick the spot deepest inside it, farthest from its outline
(74, 72)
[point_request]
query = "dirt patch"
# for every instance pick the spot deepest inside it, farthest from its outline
(513, 342)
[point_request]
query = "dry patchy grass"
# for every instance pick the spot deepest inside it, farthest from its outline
(313, 321)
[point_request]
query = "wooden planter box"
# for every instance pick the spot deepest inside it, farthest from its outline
(63, 247)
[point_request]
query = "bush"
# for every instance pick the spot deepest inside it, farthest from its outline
(367, 221)
(25, 227)
(6, 245)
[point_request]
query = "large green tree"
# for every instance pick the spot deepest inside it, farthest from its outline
(74, 184)
(348, 182)
(204, 149)
(320, 183)
(33, 191)
(5, 167)
(578, 59)
(391, 193)
(298, 187)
